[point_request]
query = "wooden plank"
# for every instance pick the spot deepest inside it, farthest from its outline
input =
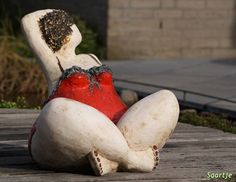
(14, 137)
(21, 111)
(18, 119)
(15, 160)
(18, 133)
(188, 156)
(15, 130)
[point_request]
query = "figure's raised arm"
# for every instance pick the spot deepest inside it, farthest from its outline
(53, 36)
(46, 57)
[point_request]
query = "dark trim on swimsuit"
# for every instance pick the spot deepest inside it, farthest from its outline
(76, 69)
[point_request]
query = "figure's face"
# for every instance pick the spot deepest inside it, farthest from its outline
(72, 40)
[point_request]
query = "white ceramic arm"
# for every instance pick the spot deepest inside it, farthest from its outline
(46, 57)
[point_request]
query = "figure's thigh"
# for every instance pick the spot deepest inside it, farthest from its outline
(67, 130)
(150, 121)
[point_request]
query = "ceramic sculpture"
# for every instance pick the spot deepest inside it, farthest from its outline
(84, 121)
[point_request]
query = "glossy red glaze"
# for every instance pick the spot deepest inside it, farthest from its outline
(97, 91)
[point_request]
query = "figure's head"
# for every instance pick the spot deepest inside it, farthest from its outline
(51, 34)
(58, 30)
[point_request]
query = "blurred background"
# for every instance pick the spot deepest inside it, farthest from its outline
(186, 46)
(117, 30)
(22, 82)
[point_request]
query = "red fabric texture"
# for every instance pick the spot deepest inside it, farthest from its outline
(96, 91)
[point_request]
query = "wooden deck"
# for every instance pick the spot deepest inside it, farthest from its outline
(188, 156)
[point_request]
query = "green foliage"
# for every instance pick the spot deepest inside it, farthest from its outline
(209, 120)
(10, 29)
(89, 42)
(19, 74)
(10, 15)
(19, 103)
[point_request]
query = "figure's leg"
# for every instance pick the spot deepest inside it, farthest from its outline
(150, 121)
(68, 132)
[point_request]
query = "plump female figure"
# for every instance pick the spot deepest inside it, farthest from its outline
(78, 123)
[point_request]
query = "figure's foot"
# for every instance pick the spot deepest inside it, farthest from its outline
(142, 161)
(156, 156)
(100, 164)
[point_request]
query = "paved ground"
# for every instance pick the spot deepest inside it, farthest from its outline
(214, 78)
(189, 155)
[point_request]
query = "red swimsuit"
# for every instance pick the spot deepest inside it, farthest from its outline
(93, 87)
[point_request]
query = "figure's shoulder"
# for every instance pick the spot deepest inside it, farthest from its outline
(89, 57)
(87, 60)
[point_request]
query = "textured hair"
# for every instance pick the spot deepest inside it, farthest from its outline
(55, 26)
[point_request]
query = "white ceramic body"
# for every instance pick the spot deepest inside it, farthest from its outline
(46, 57)
(150, 121)
(67, 130)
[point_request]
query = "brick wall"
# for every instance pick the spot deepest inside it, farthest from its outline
(149, 29)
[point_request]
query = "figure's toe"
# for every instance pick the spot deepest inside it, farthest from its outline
(100, 164)
(156, 156)
(95, 162)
